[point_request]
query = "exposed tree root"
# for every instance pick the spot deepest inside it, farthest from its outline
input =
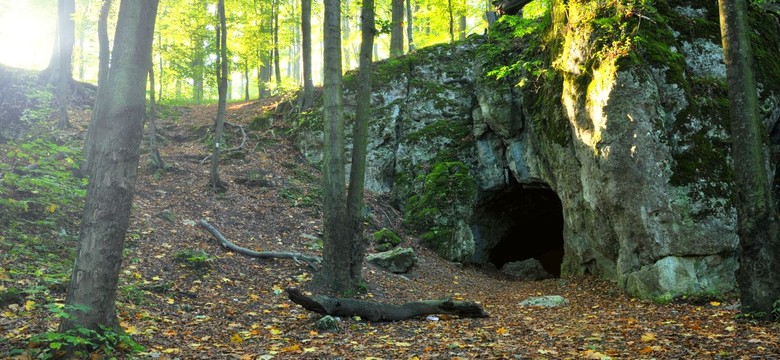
(374, 311)
(237, 148)
(310, 260)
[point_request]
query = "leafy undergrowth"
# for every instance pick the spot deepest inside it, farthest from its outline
(183, 296)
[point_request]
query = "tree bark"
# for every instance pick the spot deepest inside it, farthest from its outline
(397, 31)
(215, 182)
(104, 54)
(308, 84)
(409, 27)
(758, 227)
(335, 273)
(357, 175)
(118, 133)
(277, 67)
(374, 311)
(154, 151)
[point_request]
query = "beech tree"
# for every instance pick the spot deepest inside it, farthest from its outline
(335, 272)
(103, 59)
(308, 84)
(118, 128)
(397, 30)
(758, 225)
(222, 74)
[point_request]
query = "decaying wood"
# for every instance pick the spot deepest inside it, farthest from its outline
(374, 311)
(312, 261)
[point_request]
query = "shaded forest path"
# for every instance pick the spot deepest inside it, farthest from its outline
(183, 296)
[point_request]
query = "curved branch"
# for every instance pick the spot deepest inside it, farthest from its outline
(310, 260)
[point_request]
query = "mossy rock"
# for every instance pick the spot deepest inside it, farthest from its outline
(387, 237)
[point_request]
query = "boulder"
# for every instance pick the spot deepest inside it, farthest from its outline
(398, 260)
(545, 301)
(530, 269)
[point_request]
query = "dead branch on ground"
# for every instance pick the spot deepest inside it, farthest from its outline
(374, 311)
(310, 260)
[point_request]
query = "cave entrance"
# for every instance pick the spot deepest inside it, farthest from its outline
(520, 222)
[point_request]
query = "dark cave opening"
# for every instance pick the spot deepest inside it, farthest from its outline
(520, 222)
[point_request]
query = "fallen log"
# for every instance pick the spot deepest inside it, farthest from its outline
(310, 260)
(374, 311)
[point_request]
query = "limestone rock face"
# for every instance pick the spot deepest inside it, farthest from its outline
(638, 156)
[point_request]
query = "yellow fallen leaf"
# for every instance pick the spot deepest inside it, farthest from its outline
(236, 338)
(309, 349)
(292, 348)
(131, 330)
(592, 354)
(275, 331)
(172, 351)
(171, 301)
(502, 331)
(402, 344)
(52, 208)
(29, 305)
(156, 278)
(254, 297)
(648, 337)
(714, 303)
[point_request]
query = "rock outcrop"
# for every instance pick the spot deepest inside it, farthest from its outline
(627, 142)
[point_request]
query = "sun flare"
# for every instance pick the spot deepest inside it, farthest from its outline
(26, 34)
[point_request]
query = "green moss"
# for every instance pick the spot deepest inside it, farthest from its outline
(448, 190)
(387, 236)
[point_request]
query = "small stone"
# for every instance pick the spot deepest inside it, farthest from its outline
(545, 301)
(327, 323)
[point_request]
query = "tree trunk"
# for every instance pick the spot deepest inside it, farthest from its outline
(308, 84)
(62, 54)
(758, 227)
(452, 20)
(397, 31)
(335, 273)
(215, 182)
(409, 27)
(357, 175)
(277, 67)
(103, 59)
(154, 152)
(374, 311)
(118, 133)
(246, 80)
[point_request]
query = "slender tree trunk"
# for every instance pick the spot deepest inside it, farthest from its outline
(162, 85)
(103, 58)
(62, 62)
(335, 273)
(154, 152)
(215, 182)
(462, 28)
(397, 31)
(308, 84)
(246, 80)
(357, 176)
(277, 67)
(758, 226)
(409, 27)
(345, 34)
(119, 130)
(82, 35)
(452, 20)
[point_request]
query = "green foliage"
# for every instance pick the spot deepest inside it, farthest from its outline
(194, 259)
(79, 341)
(448, 189)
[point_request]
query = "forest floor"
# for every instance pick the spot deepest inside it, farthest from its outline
(183, 296)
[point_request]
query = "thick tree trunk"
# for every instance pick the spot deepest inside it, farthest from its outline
(374, 311)
(397, 31)
(118, 133)
(357, 177)
(215, 182)
(335, 273)
(758, 226)
(308, 84)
